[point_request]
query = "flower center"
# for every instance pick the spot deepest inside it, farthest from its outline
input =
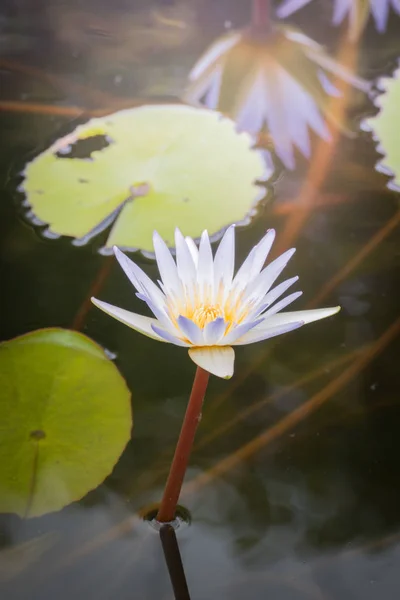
(206, 313)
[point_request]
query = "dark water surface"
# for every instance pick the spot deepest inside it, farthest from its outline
(310, 510)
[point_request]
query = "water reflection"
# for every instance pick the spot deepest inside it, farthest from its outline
(310, 513)
(314, 513)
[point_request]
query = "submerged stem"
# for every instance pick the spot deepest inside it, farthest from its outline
(174, 562)
(183, 449)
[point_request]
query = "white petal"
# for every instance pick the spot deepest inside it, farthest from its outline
(282, 322)
(266, 301)
(242, 276)
(251, 114)
(217, 360)
(291, 107)
(184, 261)
(262, 104)
(301, 38)
(334, 67)
(341, 8)
(205, 269)
(327, 84)
(211, 98)
(301, 110)
(137, 322)
(167, 336)
(280, 289)
(261, 333)
(239, 331)
(289, 7)
(216, 50)
(158, 311)
(282, 303)
(199, 90)
(166, 265)
(396, 6)
(262, 284)
(214, 331)
(137, 277)
(261, 253)
(224, 262)
(277, 116)
(380, 11)
(307, 316)
(255, 261)
(193, 249)
(297, 122)
(191, 331)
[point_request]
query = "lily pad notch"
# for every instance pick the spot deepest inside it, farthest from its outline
(164, 166)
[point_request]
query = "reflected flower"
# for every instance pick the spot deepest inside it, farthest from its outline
(280, 81)
(357, 12)
(199, 303)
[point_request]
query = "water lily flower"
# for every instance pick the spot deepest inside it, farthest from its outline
(201, 305)
(279, 81)
(356, 10)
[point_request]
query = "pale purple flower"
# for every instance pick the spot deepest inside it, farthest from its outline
(356, 10)
(201, 305)
(281, 82)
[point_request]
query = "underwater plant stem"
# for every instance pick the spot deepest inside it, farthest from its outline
(174, 562)
(260, 17)
(166, 512)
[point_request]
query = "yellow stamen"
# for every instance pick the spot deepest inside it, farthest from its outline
(206, 313)
(202, 310)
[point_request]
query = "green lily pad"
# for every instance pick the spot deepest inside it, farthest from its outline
(65, 418)
(159, 167)
(385, 127)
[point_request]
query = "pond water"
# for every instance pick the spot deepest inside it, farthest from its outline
(293, 487)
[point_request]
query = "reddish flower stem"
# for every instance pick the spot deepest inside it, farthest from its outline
(260, 18)
(166, 512)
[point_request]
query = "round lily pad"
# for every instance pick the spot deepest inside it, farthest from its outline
(385, 127)
(65, 418)
(153, 167)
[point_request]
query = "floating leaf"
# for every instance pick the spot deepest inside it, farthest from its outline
(163, 166)
(65, 418)
(386, 127)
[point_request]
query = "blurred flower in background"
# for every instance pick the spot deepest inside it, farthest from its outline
(279, 81)
(357, 12)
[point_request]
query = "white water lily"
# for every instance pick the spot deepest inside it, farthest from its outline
(356, 10)
(201, 305)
